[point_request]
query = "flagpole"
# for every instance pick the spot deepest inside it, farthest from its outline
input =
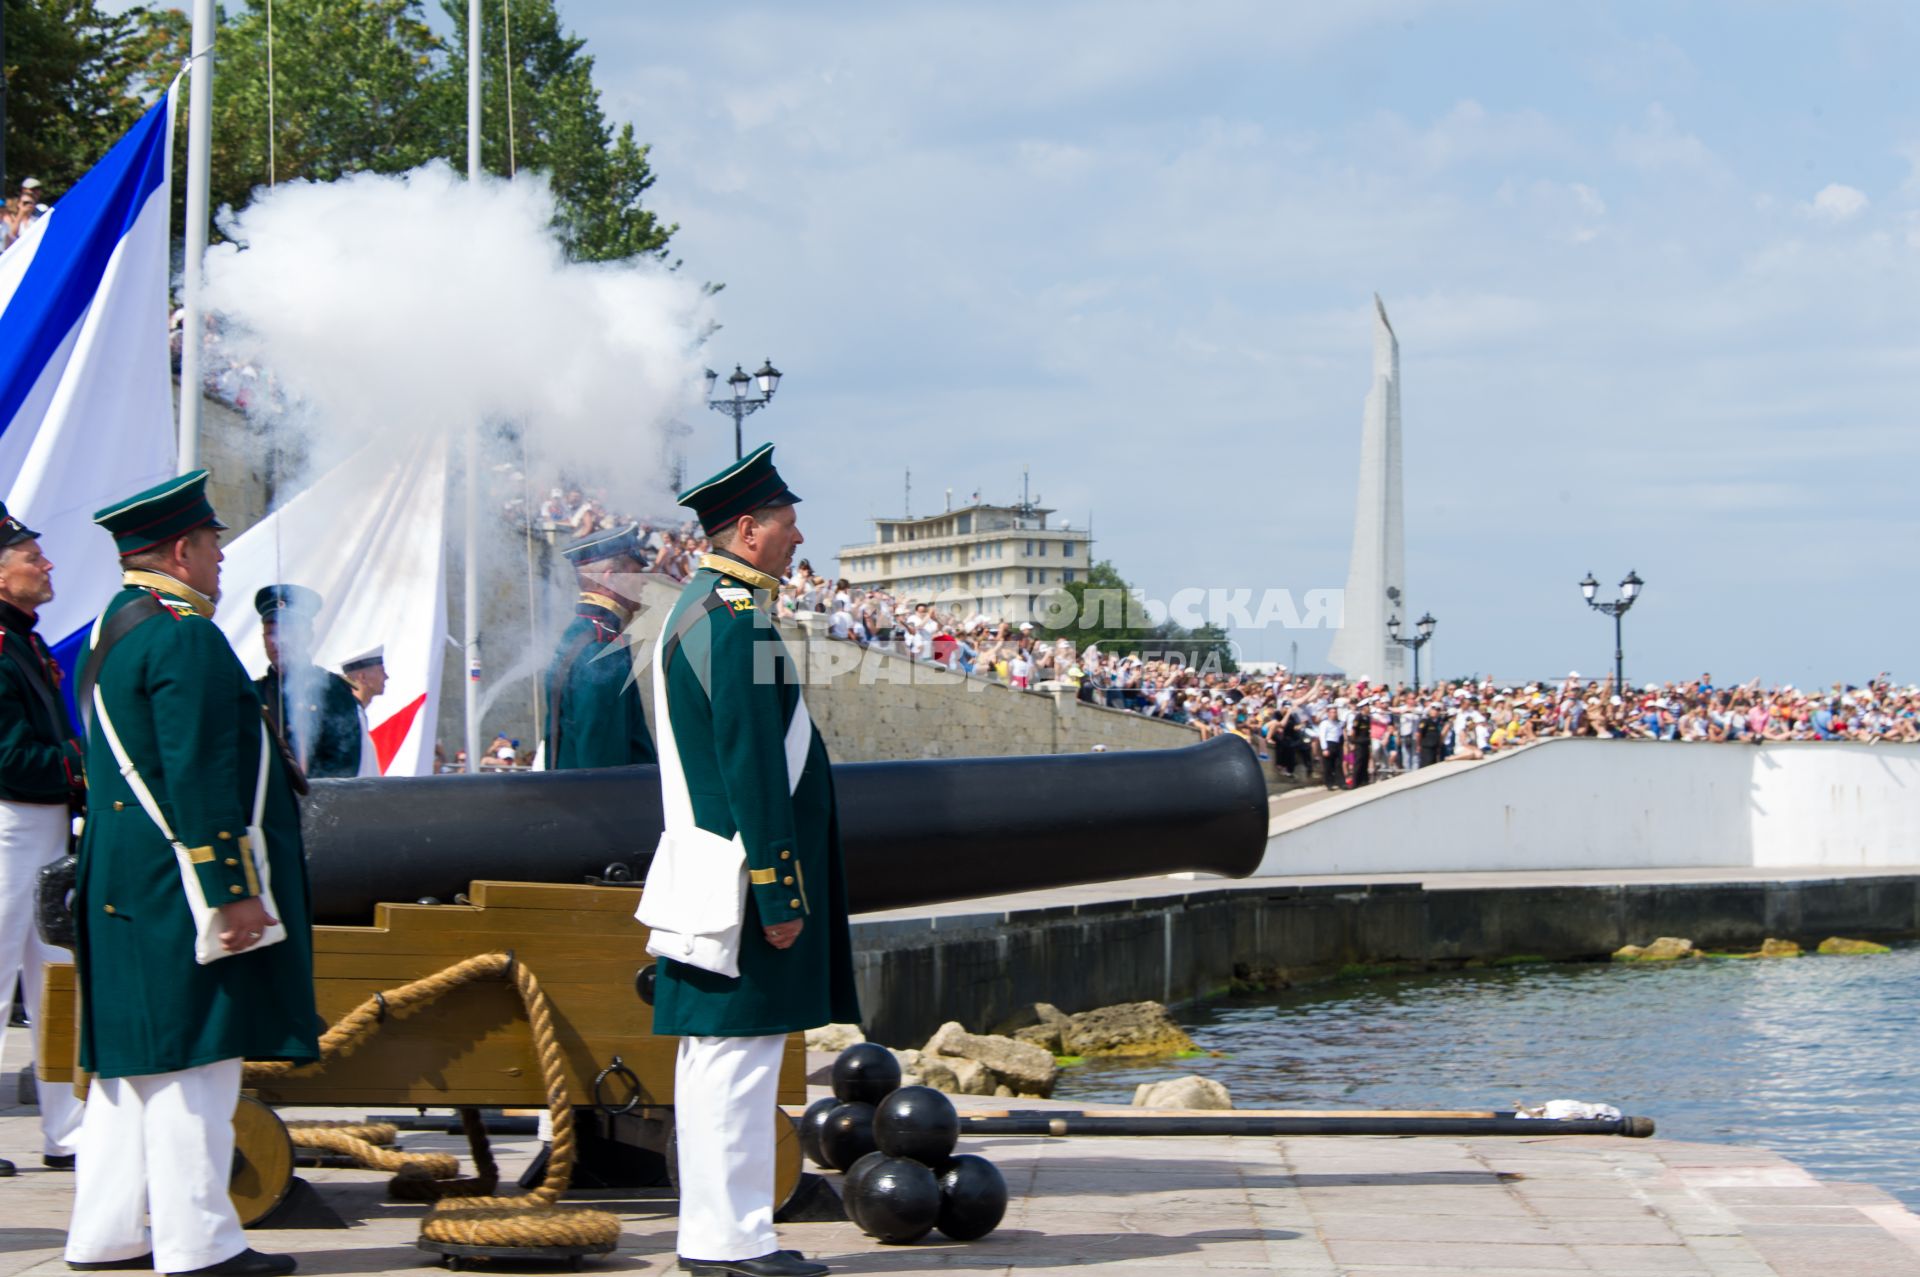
(472, 598)
(199, 169)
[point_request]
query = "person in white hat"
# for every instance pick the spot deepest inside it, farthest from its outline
(366, 673)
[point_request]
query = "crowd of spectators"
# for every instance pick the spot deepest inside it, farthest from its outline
(1338, 732)
(1343, 734)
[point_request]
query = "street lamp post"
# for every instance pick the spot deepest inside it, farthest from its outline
(1629, 591)
(1425, 626)
(739, 404)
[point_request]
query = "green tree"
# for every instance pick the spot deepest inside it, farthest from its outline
(1100, 607)
(356, 86)
(1104, 608)
(599, 175)
(77, 78)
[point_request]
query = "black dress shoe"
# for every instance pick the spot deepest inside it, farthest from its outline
(57, 1161)
(779, 1263)
(248, 1263)
(138, 1264)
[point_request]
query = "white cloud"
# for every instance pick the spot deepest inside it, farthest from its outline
(1660, 143)
(1837, 203)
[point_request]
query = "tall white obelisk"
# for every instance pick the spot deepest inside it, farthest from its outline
(1376, 580)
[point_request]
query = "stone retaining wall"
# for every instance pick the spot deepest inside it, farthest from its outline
(915, 974)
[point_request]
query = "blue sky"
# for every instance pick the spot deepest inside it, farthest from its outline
(1653, 268)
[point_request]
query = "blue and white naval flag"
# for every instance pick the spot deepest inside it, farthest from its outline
(86, 379)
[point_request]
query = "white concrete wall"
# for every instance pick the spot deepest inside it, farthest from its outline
(1584, 804)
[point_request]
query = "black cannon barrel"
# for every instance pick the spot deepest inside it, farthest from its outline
(914, 833)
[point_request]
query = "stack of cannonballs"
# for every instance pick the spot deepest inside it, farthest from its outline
(894, 1145)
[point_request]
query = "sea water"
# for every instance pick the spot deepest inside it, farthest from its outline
(1816, 1058)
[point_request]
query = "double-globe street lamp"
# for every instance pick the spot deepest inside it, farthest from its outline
(1425, 625)
(739, 404)
(1629, 591)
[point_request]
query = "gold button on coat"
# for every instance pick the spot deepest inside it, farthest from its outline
(109, 908)
(786, 855)
(231, 862)
(793, 904)
(236, 889)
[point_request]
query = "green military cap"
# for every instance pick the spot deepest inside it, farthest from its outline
(605, 544)
(12, 531)
(161, 513)
(297, 599)
(749, 484)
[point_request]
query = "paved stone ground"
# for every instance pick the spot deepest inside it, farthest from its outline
(1358, 1207)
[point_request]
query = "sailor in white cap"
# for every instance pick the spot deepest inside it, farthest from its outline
(366, 673)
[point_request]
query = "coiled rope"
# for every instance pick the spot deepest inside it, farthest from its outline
(532, 1220)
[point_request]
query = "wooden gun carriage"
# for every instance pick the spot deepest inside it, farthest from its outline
(411, 876)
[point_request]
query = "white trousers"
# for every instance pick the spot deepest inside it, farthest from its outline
(33, 835)
(724, 1094)
(158, 1147)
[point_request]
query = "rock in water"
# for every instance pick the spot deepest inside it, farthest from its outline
(898, 1201)
(1839, 946)
(973, 1198)
(1040, 1023)
(1131, 1028)
(834, 1037)
(1779, 949)
(865, 1073)
(933, 1071)
(1024, 1068)
(1665, 949)
(970, 1077)
(1190, 1092)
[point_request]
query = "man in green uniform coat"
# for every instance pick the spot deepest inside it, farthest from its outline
(313, 709)
(750, 821)
(195, 939)
(595, 717)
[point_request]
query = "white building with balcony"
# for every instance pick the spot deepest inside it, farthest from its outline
(994, 560)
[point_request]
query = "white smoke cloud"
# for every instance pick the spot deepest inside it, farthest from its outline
(388, 306)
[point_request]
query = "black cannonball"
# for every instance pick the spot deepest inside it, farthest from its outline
(897, 1200)
(973, 1198)
(850, 1182)
(846, 1135)
(810, 1124)
(865, 1073)
(917, 1122)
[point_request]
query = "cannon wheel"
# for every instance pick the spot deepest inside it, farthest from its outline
(786, 1159)
(262, 1161)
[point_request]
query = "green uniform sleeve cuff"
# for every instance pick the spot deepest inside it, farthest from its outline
(225, 869)
(778, 892)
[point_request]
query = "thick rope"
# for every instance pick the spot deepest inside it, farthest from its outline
(384, 1133)
(435, 1166)
(529, 1221)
